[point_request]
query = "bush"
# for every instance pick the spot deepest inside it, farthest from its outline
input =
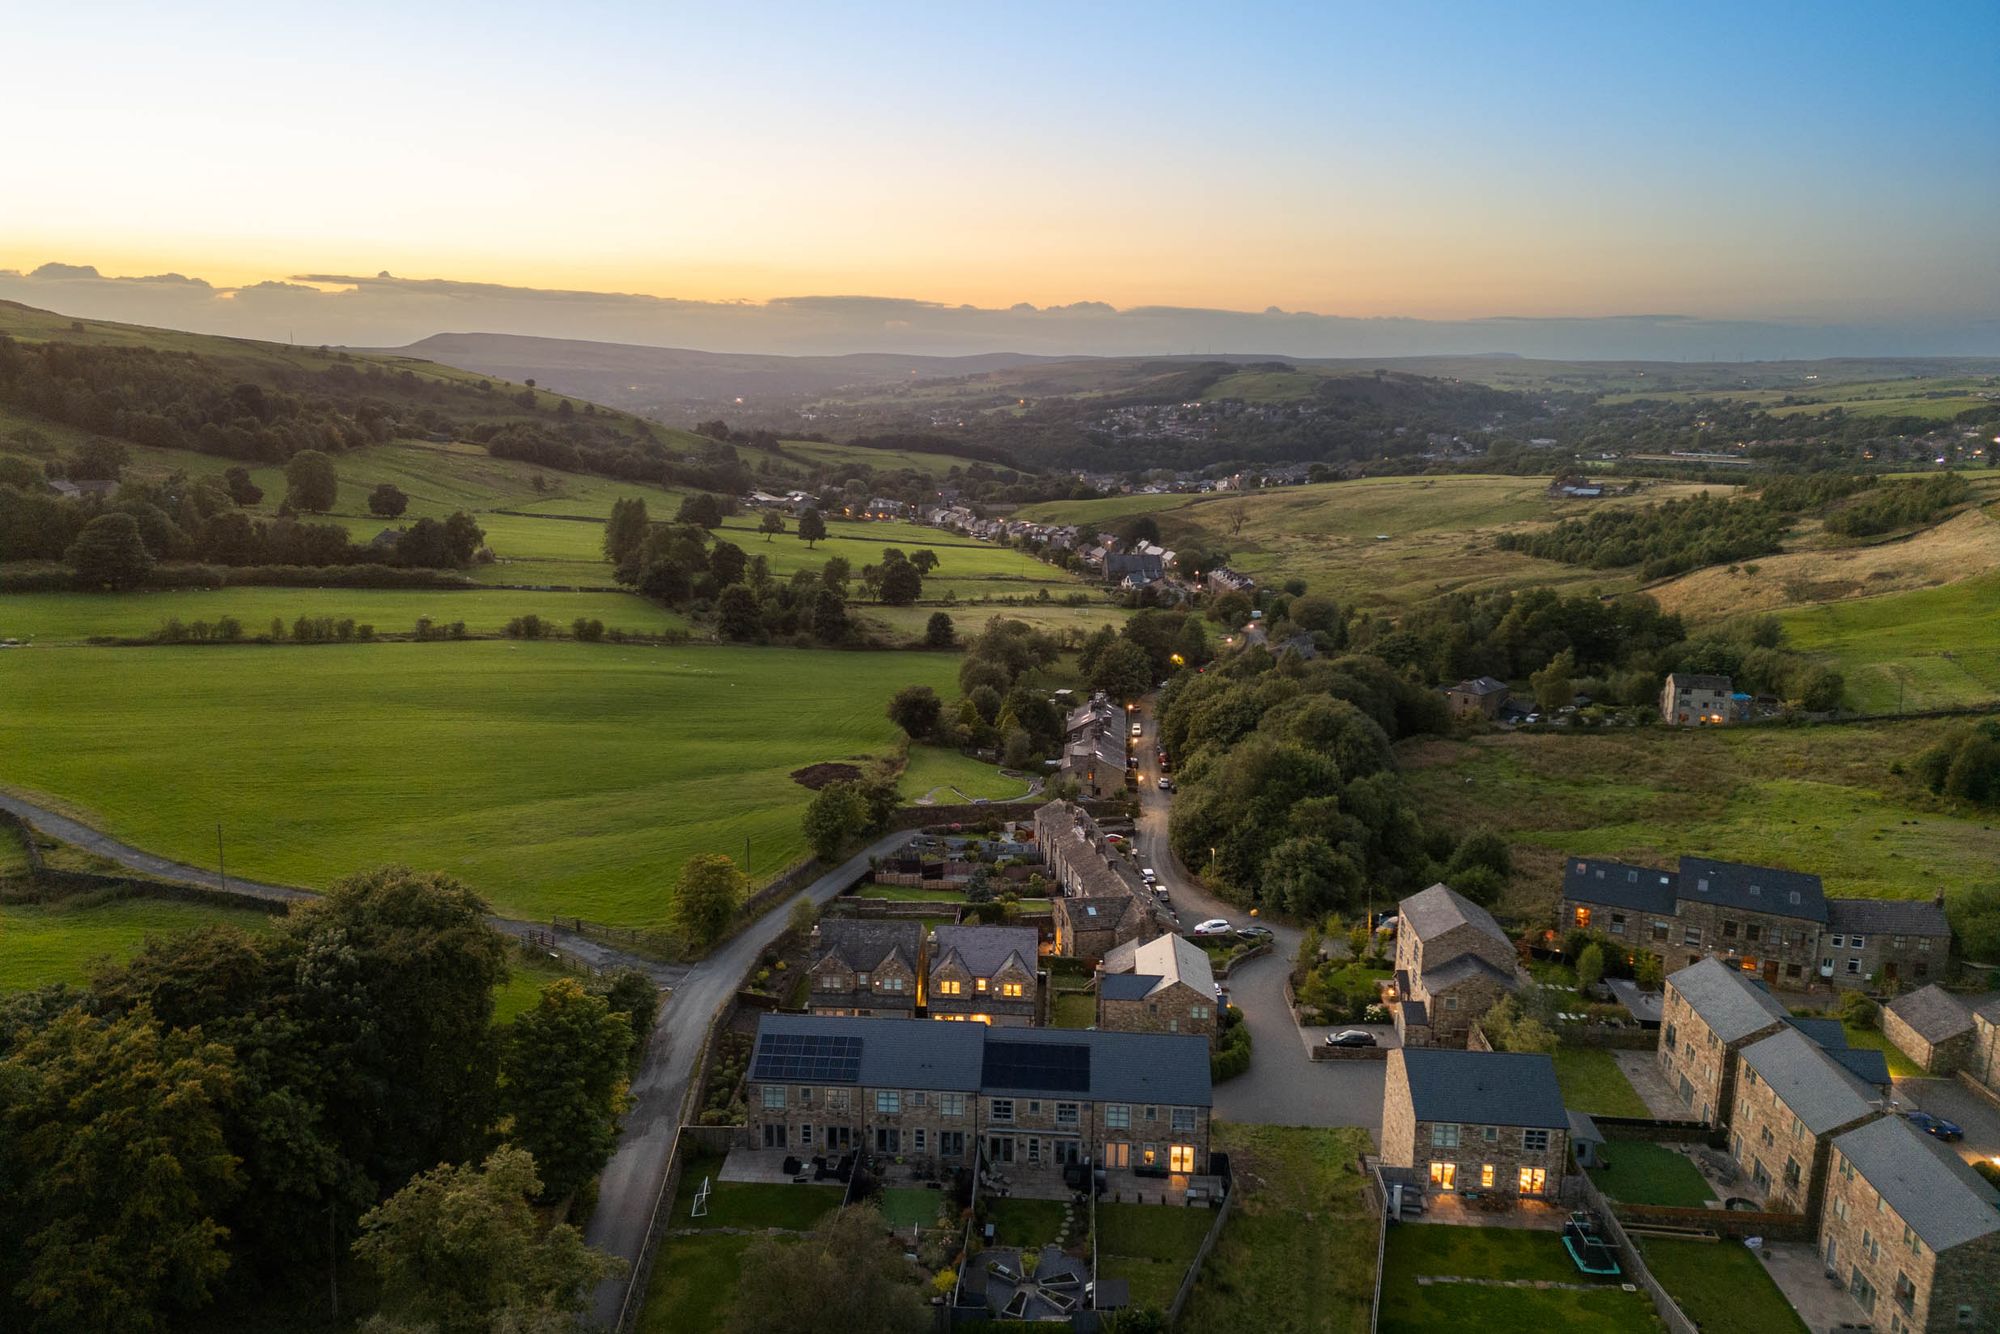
(1857, 1011)
(1232, 1046)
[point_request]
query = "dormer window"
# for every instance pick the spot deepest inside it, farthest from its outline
(980, 984)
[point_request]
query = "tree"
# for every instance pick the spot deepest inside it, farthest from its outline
(109, 554)
(727, 563)
(387, 501)
(113, 1169)
(915, 709)
(460, 1249)
(706, 898)
(625, 531)
(1857, 1011)
(836, 814)
(924, 559)
(901, 583)
(637, 997)
(736, 614)
(841, 1276)
(1590, 966)
(1123, 671)
(812, 528)
(241, 489)
(564, 1065)
(836, 572)
(938, 631)
(311, 484)
(829, 616)
(1307, 878)
(700, 509)
(1552, 685)
(772, 523)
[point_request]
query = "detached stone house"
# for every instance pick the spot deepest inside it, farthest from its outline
(1482, 1121)
(1695, 699)
(1453, 962)
(1791, 1100)
(1481, 697)
(1911, 1231)
(865, 967)
(1162, 986)
(1932, 1027)
(983, 973)
(1710, 1013)
(951, 1095)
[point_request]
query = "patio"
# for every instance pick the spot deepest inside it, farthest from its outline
(1455, 1210)
(777, 1167)
(998, 1281)
(1800, 1274)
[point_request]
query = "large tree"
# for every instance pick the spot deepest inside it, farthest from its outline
(311, 484)
(841, 1276)
(772, 522)
(564, 1067)
(915, 709)
(901, 584)
(110, 554)
(938, 631)
(836, 814)
(1123, 671)
(709, 892)
(461, 1250)
(387, 500)
(812, 528)
(737, 615)
(625, 531)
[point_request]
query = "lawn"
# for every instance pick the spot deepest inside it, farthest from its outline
(1150, 1246)
(523, 987)
(1871, 1039)
(944, 898)
(1641, 1173)
(1437, 1250)
(692, 1289)
(1722, 1286)
(1592, 1082)
(906, 1207)
(554, 777)
(59, 618)
(1929, 649)
(42, 943)
(1074, 1009)
(1297, 1255)
(1819, 798)
(748, 1204)
(950, 778)
(1030, 1224)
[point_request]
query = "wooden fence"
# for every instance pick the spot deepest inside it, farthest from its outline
(1378, 1195)
(547, 948)
(1629, 1255)
(1193, 1273)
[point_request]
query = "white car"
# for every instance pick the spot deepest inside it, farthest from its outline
(1214, 926)
(1138, 729)
(1148, 874)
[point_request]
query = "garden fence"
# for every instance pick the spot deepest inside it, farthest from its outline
(1671, 1315)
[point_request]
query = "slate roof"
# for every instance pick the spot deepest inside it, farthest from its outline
(894, 1053)
(983, 950)
(1698, 681)
(1934, 1013)
(1616, 885)
(1483, 1087)
(1645, 1006)
(1730, 1004)
(1126, 986)
(1159, 963)
(1870, 1067)
(1462, 969)
(1887, 917)
(865, 944)
(1941, 1199)
(1480, 686)
(1752, 888)
(1814, 1086)
(1439, 909)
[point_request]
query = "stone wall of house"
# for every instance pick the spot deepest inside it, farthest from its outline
(1963, 1277)
(1869, 1239)
(1941, 1058)
(1178, 1009)
(837, 989)
(1693, 1061)
(1454, 1010)
(1779, 1155)
(1702, 929)
(1882, 958)
(1982, 1061)
(1472, 1149)
(1399, 1122)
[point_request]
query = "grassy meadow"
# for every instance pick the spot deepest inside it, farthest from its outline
(953, 777)
(1927, 649)
(41, 943)
(555, 777)
(1817, 799)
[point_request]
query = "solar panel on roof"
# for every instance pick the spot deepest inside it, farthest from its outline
(807, 1058)
(1059, 1067)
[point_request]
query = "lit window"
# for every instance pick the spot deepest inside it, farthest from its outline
(980, 984)
(1486, 1176)
(1444, 1176)
(950, 987)
(1180, 1157)
(1534, 1180)
(1010, 988)
(1582, 917)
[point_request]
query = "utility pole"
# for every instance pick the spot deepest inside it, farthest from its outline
(221, 872)
(746, 854)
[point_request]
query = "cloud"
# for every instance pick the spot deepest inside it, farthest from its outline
(387, 311)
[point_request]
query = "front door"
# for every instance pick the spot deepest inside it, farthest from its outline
(1770, 972)
(774, 1136)
(840, 1138)
(1000, 1148)
(1889, 970)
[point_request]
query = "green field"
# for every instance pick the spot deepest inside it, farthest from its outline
(42, 943)
(1871, 1039)
(822, 454)
(907, 624)
(692, 1289)
(1928, 649)
(950, 778)
(523, 988)
(1150, 1246)
(1592, 1082)
(59, 618)
(1437, 1250)
(555, 777)
(1722, 1286)
(1641, 1173)
(1818, 799)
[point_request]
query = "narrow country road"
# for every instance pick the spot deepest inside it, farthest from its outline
(1284, 1085)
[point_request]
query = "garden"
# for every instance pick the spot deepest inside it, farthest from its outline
(1150, 1246)
(1721, 1286)
(1635, 1172)
(1521, 1282)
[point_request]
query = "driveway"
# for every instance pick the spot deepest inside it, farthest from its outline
(1284, 1085)
(1955, 1102)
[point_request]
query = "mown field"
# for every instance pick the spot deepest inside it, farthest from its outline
(949, 777)
(907, 624)
(1928, 649)
(1818, 799)
(42, 943)
(822, 453)
(557, 778)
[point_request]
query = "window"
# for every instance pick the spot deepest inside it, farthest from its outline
(1183, 1120)
(836, 1100)
(1729, 928)
(893, 984)
(888, 1101)
(1791, 1171)
(1451, 1002)
(979, 984)
(1117, 1116)
(1752, 931)
(1582, 917)
(1924, 947)
(1491, 1134)
(1180, 1157)
(921, 1141)
(1534, 1180)
(951, 1104)
(1857, 942)
(805, 1135)
(1840, 942)
(1003, 1109)
(950, 986)
(1535, 1141)
(1034, 1109)
(1010, 988)
(1197, 1012)
(1444, 1176)
(1444, 1136)
(861, 979)
(888, 1139)
(1691, 936)
(1897, 941)
(1854, 965)
(1966, 1314)
(774, 1097)
(1117, 1153)
(1673, 1036)
(1618, 924)
(1486, 1176)
(1660, 930)
(1794, 970)
(1066, 1113)
(951, 1143)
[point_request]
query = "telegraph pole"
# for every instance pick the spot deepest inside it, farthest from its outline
(221, 872)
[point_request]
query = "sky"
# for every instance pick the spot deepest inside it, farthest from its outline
(1825, 164)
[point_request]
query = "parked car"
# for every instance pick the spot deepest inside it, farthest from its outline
(1160, 893)
(1138, 729)
(1350, 1037)
(1214, 926)
(1166, 783)
(1148, 874)
(1254, 932)
(1937, 1125)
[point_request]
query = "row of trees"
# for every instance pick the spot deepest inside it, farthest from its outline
(228, 1110)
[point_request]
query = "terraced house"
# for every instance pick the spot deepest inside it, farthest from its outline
(1476, 1121)
(1911, 1231)
(983, 973)
(1453, 963)
(1709, 1014)
(1791, 1100)
(1131, 1103)
(1100, 902)
(865, 967)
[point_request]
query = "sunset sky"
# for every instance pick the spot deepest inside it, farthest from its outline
(1733, 161)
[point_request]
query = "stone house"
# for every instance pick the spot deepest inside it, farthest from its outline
(1164, 985)
(1710, 1013)
(1100, 901)
(1792, 1099)
(1932, 1027)
(983, 973)
(1480, 697)
(1476, 1120)
(864, 968)
(1094, 755)
(1982, 1063)
(1697, 699)
(948, 1095)
(1911, 1231)
(1886, 942)
(1453, 962)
